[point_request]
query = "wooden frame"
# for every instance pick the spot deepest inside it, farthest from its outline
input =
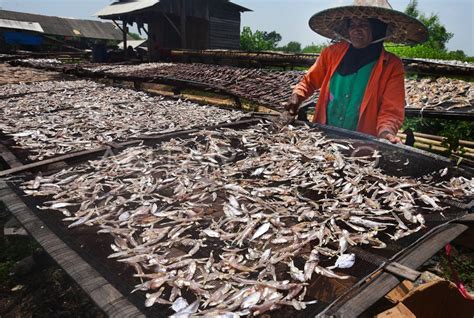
(354, 304)
(106, 296)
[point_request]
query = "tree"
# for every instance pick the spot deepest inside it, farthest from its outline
(258, 40)
(412, 9)
(438, 35)
(272, 37)
(315, 48)
(294, 47)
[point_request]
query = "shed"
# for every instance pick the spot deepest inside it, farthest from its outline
(185, 24)
(19, 25)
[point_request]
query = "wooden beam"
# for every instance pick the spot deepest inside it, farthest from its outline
(173, 25)
(183, 24)
(117, 25)
(124, 34)
(75, 155)
(354, 304)
(11, 160)
(402, 271)
(146, 31)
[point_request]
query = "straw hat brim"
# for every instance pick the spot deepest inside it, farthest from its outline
(332, 23)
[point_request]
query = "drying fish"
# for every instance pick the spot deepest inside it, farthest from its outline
(267, 87)
(439, 94)
(241, 242)
(79, 115)
(344, 261)
(261, 230)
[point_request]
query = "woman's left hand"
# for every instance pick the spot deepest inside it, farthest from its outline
(391, 137)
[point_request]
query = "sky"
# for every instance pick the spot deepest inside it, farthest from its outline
(287, 17)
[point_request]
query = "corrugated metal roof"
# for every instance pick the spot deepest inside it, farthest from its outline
(121, 7)
(21, 25)
(66, 26)
(127, 6)
(241, 9)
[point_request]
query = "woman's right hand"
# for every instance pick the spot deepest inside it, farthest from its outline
(293, 104)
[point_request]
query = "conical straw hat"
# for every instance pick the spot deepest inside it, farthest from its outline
(332, 23)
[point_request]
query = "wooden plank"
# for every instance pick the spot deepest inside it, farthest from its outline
(47, 162)
(109, 299)
(11, 160)
(468, 218)
(190, 131)
(402, 271)
(354, 304)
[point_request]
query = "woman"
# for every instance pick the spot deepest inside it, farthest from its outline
(361, 85)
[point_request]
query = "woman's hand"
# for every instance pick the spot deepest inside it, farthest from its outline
(293, 104)
(390, 137)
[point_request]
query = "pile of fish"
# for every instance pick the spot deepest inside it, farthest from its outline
(446, 62)
(124, 69)
(60, 117)
(8, 91)
(271, 88)
(9, 74)
(234, 222)
(439, 94)
(259, 85)
(40, 63)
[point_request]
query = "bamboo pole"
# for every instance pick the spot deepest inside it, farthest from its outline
(434, 143)
(441, 150)
(464, 143)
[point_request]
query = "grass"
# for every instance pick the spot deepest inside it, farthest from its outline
(463, 264)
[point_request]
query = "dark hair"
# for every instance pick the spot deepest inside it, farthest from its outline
(379, 28)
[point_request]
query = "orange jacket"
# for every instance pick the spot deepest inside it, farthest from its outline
(383, 105)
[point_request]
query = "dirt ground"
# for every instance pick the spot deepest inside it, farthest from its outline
(43, 290)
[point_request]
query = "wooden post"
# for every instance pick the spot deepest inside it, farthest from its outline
(124, 33)
(183, 24)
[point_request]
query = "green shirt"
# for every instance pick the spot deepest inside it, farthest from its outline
(346, 94)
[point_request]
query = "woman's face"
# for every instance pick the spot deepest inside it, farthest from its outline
(360, 33)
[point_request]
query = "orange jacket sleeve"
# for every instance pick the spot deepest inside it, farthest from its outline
(313, 79)
(392, 108)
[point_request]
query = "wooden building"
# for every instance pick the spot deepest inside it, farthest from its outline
(188, 24)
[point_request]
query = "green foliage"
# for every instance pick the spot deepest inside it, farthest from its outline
(424, 51)
(452, 130)
(315, 48)
(293, 47)
(135, 36)
(272, 37)
(412, 9)
(435, 47)
(438, 35)
(258, 40)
